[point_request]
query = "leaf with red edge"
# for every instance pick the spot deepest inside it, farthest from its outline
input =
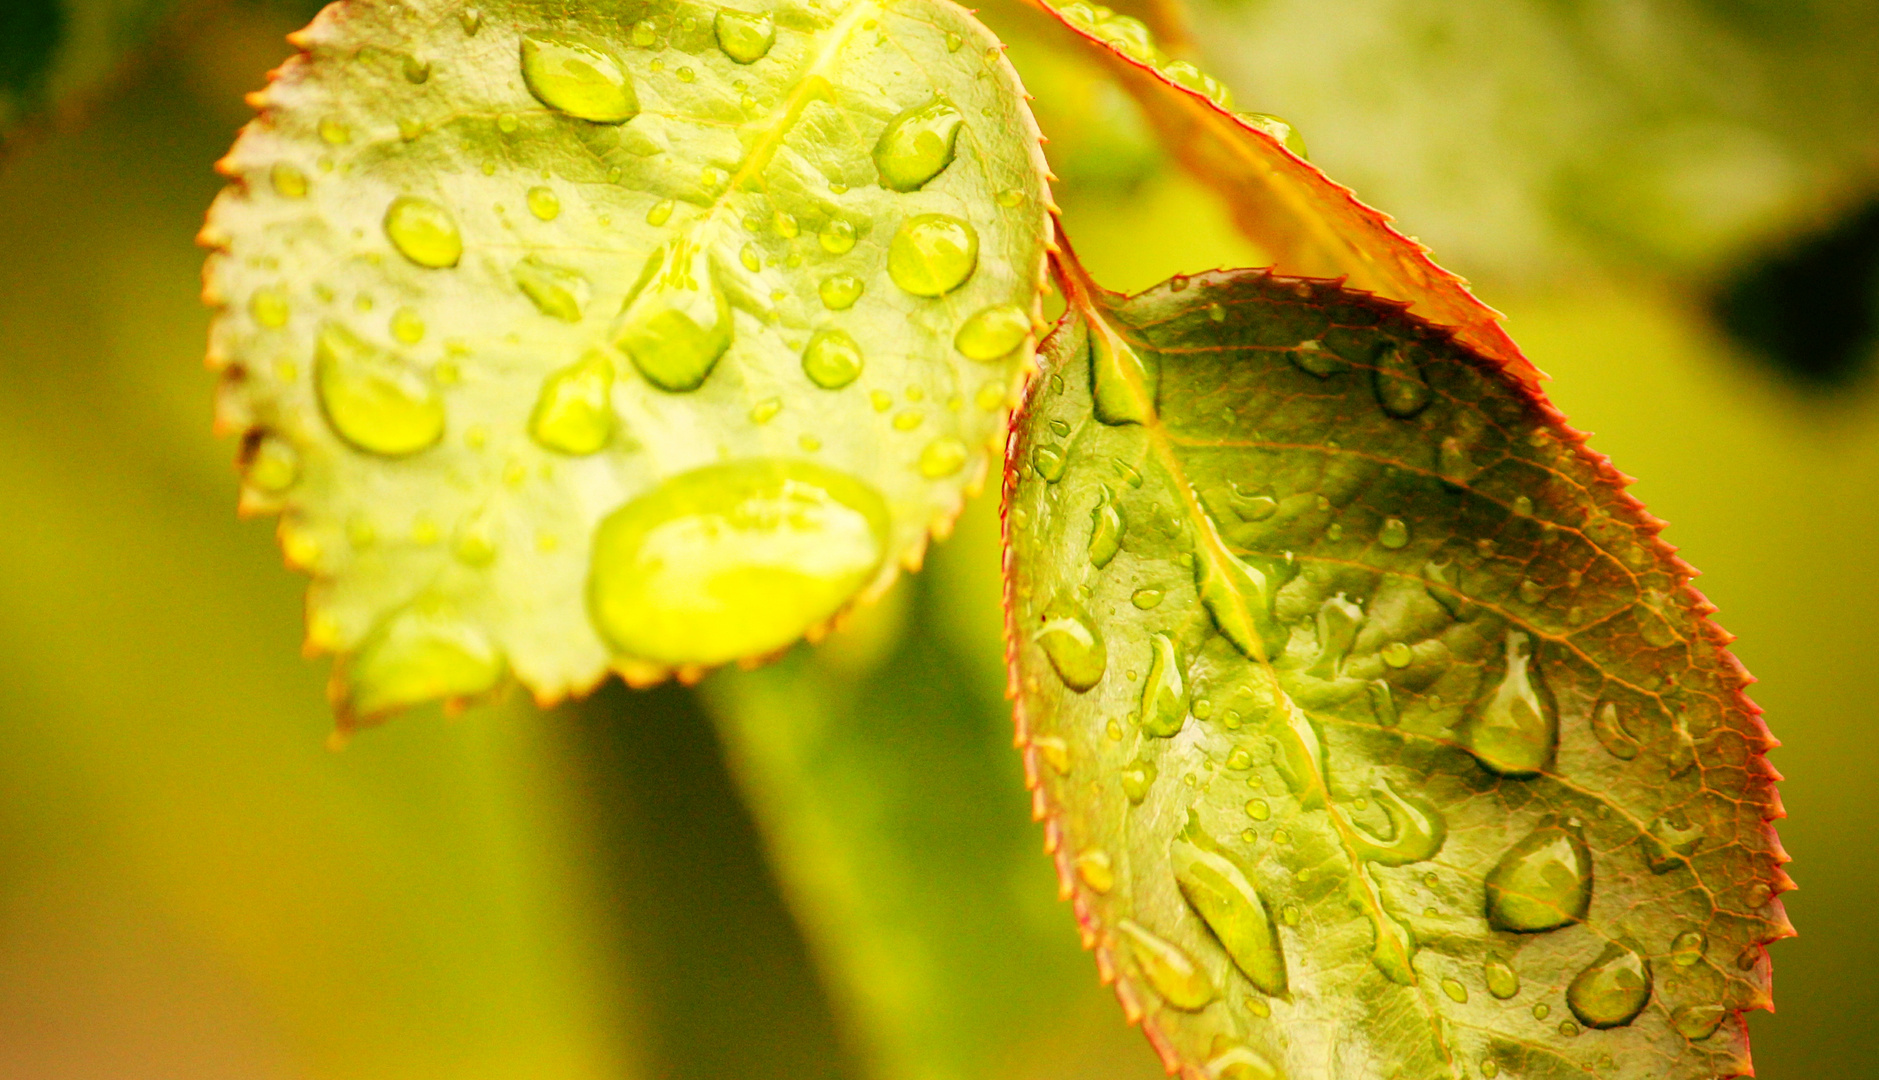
(1376, 732)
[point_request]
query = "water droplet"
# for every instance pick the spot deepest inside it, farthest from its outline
(1164, 692)
(1688, 947)
(507, 123)
(1417, 830)
(1456, 992)
(269, 308)
(418, 655)
(832, 359)
(751, 257)
(1399, 384)
(837, 237)
(273, 465)
(765, 411)
(660, 213)
(840, 291)
(1286, 135)
(578, 79)
(1568, 1028)
(1105, 529)
(1242, 1063)
(953, 41)
(289, 182)
(473, 546)
(471, 19)
(744, 38)
(1396, 654)
(1394, 533)
(544, 203)
(574, 414)
(1123, 385)
(1049, 462)
(1137, 778)
(1258, 809)
(733, 560)
(334, 133)
(943, 456)
(686, 75)
(1220, 890)
(1094, 868)
(1233, 593)
(1544, 882)
(917, 145)
(1611, 733)
(932, 254)
(423, 232)
(416, 71)
(407, 326)
(1514, 732)
(1313, 358)
(374, 401)
(1613, 990)
(556, 291)
(1490, 1068)
(1170, 970)
(678, 323)
(1188, 77)
(1500, 977)
(1073, 643)
(1696, 1022)
(993, 332)
(1672, 840)
(908, 419)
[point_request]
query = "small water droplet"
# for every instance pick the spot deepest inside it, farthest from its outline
(1613, 990)
(1290, 914)
(471, 19)
(334, 133)
(544, 203)
(953, 41)
(578, 79)
(733, 560)
(832, 359)
(943, 456)
(289, 182)
(1399, 384)
(374, 401)
(1672, 840)
(1568, 1028)
(1394, 534)
(751, 257)
(1541, 1011)
(1284, 133)
(1106, 528)
(917, 145)
(423, 232)
(1137, 779)
(407, 326)
(1049, 461)
(1490, 1068)
(837, 237)
(507, 123)
(556, 291)
(273, 465)
(1688, 948)
(744, 37)
(1146, 599)
(765, 411)
(1542, 883)
(574, 412)
(269, 308)
(420, 654)
(1073, 644)
(932, 254)
(993, 332)
(1220, 890)
(678, 324)
(1396, 654)
(1611, 733)
(1169, 969)
(908, 419)
(1500, 977)
(1514, 732)
(1094, 867)
(686, 75)
(1696, 1022)
(660, 213)
(840, 291)
(1164, 692)
(1258, 809)
(1456, 992)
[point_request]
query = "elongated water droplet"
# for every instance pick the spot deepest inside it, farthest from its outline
(1399, 384)
(744, 38)
(839, 291)
(1672, 840)
(1613, 990)
(1123, 384)
(1688, 947)
(1337, 623)
(1221, 892)
(1188, 77)
(1095, 869)
(1417, 830)
(1544, 882)
(1513, 733)
(289, 182)
(932, 254)
(837, 237)
(1233, 593)
(943, 456)
(556, 291)
(1073, 643)
(574, 414)
(1455, 991)
(832, 359)
(1105, 529)
(273, 465)
(1168, 968)
(1609, 728)
(544, 203)
(1394, 533)
(660, 213)
(1164, 691)
(1312, 358)
(733, 560)
(1049, 461)
(992, 333)
(1146, 599)
(1696, 1022)
(373, 400)
(1300, 759)
(578, 79)
(917, 145)
(418, 655)
(1286, 135)
(1253, 506)
(1382, 702)
(677, 325)
(1500, 977)
(423, 232)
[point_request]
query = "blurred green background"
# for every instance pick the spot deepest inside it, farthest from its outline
(827, 868)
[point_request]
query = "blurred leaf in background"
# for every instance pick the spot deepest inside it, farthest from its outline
(53, 49)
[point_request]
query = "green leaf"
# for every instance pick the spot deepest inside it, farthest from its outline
(646, 338)
(1306, 223)
(1388, 734)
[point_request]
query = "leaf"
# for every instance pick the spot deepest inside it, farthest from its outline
(1307, 223)
(1372, 723)
(52, 49)
(694, 321)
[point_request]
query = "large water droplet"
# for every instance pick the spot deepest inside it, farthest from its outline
(832, 359)
(373, 400)
(1164, 692)
(744, 38)
(1513, 733)
(917, 145)
(1105, 529)
(1221, 892)
(1417, 830)
(733, 560)
(578, 79)
(678, 323)
(1168, 968)
(993, 332)
(1613, 990)
(556, 291)
(423, 232)
(1544, 882)
(1122, 384)
(1075, 646)
(932, 254)
(1399, 384)
(418, 655)
(574, 414)
(1500, 977)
